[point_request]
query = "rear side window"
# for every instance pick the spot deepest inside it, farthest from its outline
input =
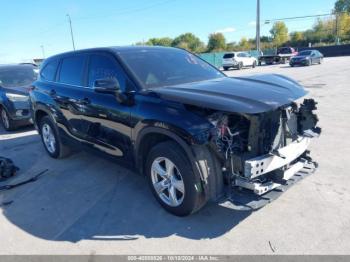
(49, 71)
(101, 67)
(72, 69)
(229, 55)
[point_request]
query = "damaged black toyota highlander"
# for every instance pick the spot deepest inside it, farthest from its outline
(196, 134)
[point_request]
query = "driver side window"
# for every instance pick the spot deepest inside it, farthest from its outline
(102, 67)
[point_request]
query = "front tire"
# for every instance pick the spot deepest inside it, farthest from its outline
(51, 140)
(7, 122)
(172, 180)
(240, 66)
(226, 68)
(254, 64)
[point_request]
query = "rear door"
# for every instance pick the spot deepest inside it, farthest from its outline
(108, 120)
(69, 93)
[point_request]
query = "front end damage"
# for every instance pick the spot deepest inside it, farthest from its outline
(263, 154)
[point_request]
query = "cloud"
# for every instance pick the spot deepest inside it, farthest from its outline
(252, 23)
(226, 30)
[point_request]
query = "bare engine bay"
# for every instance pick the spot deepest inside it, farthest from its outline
(249, 145)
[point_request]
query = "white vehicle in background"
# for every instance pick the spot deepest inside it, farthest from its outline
(238, 60)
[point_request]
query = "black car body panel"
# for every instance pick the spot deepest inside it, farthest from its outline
(249, 95)
(260, 109)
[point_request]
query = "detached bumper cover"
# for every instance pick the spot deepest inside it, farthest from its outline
(243, 199)
(264, 164)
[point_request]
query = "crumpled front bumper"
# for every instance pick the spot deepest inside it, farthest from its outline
(266, 177)
(239, 198)
(264, 164)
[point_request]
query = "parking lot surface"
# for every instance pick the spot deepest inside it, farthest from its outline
(87, 205)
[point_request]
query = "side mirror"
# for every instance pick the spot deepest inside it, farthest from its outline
(107, 85)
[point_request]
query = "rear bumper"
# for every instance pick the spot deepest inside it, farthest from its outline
(230, 64)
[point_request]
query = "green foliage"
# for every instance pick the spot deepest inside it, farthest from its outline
(342, 6)
(189, 42)
(279, 32)
(217, 42)
(324, 32)
(163, 41)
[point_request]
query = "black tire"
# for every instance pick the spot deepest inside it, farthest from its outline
(226, 68)
(194, 197)
(254, 64)
(61, 150)
(308, 63)
(240, 65)
(8, 124)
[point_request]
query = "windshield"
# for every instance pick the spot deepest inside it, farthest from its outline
(304, 53)
(166, 67)
(16, 76)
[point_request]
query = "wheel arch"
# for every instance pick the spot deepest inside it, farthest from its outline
(203, 162)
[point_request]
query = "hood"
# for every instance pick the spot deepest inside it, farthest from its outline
(21, 90)
(251, 95)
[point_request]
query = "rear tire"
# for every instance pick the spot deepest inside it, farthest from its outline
(7, 122)
(167, 165)
(226, 68)
(51, 140)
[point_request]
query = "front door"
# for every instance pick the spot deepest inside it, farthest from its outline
(108, 120)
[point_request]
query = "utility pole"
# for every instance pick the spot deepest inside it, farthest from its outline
(258, 25)
(71, 30)
(43, 50)
(336, 28)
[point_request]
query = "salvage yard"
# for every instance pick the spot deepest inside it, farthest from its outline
(87, 205)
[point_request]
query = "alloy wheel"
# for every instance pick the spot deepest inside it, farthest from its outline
(48, 138)
(167, 181)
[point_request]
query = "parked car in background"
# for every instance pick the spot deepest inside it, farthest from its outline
(190, 129)
(307, 58)
(238, 60)
(15, 82)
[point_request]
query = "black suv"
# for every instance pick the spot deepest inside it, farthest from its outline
(193, 131)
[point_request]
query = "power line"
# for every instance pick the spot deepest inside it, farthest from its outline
(267, 21)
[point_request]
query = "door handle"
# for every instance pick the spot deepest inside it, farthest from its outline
(84, 101)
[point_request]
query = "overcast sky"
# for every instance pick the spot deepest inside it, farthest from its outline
(25, 26)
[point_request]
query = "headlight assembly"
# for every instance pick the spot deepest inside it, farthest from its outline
(17, 97)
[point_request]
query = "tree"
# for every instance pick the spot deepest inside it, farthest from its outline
(342, 6)
(163, 41)
(217, 42)
(189, 41)
(279, 32)
(244, 44)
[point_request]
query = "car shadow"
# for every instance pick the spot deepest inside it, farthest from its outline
(87, 197)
